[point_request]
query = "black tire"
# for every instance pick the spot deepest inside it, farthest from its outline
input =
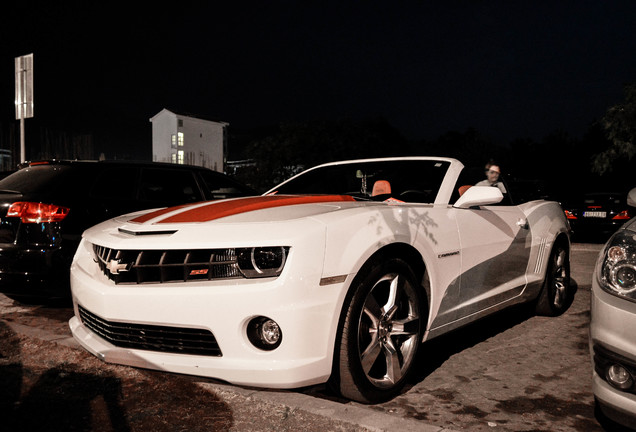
(556, 293)
(380, 334)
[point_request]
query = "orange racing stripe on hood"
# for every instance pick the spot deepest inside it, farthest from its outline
(220, 209)
(157, 213)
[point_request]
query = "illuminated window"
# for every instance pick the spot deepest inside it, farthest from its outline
(180, 139)
(174, 141)
(174, 157)
(180, 157)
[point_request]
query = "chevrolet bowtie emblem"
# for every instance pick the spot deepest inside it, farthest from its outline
(114, 266)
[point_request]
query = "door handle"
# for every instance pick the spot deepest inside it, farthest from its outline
(522, 223)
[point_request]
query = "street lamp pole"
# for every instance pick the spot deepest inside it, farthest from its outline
(23, 95)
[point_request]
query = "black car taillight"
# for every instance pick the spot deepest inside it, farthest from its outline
(32, 212)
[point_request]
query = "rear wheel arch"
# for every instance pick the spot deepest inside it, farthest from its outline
(557, 291)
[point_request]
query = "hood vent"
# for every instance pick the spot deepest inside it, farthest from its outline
(145, 233)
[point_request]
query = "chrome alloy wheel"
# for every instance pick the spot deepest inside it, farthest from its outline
(560, 278)
(388, 330)
(556, 294)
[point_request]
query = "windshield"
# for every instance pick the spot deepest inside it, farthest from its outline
(405, 180)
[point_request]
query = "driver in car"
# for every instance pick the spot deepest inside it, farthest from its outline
(492, 177)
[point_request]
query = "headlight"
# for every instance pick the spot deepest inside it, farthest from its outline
(617, 274)
(262, 261)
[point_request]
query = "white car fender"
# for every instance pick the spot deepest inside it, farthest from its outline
(352, 241)
(547, 222)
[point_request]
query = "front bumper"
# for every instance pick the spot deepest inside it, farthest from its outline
(306, 312)
(612, 340)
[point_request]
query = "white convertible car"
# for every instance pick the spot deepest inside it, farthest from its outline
(337, 275)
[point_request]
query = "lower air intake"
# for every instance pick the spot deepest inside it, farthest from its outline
(151, 337)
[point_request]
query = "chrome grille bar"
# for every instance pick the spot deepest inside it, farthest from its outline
(161, 266)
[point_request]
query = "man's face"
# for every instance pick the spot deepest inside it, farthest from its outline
(493, 173)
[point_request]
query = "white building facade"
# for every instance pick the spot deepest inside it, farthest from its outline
(182, 139)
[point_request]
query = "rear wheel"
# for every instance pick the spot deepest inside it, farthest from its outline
(381, 334)
(556, 294)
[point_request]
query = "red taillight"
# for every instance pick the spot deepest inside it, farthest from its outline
(569, 214)
(32, 212)
(622, 215)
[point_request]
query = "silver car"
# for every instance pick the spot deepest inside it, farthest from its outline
(613, 325)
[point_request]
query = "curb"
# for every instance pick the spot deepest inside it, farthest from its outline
(362, 416)
(37, 333)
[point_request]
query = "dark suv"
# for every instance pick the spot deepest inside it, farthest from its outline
(45, 207)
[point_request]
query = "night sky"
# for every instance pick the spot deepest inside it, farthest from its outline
(508, 69)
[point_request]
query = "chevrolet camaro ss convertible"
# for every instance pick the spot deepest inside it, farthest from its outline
(336, 275)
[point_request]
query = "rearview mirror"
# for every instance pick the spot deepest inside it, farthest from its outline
(631, 198)
(479, 196)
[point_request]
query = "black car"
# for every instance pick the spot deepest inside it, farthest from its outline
(45, 207)
(596, 215)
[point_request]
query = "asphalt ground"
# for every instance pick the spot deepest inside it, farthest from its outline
(512, 371)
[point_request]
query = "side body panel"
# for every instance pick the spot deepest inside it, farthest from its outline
(504, 260)
(495, 248)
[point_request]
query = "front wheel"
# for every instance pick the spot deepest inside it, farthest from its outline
(556, 294)
(381, 334)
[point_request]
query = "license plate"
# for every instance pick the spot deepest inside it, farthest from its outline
(594, 214)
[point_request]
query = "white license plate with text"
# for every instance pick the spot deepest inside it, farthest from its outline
(594, 214)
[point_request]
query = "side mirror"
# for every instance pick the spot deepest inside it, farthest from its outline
(631, 198)
(479, 196)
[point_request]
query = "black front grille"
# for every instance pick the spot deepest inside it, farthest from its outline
(151, 337)
(159, 266)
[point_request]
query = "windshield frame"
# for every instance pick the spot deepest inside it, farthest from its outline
(431, 183)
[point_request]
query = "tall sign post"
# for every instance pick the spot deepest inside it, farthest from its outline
(23, 95)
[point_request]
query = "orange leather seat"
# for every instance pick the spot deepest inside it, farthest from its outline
(381, 187)
(463, 189)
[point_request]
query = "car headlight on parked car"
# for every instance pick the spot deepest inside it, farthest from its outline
(617, 274)
(262, 261)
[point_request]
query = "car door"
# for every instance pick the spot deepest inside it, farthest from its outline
(495, 249)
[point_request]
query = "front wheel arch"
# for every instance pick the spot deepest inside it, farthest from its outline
(351, 377)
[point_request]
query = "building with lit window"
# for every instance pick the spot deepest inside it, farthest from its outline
(184, 139)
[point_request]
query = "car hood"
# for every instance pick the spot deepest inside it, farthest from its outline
(269, 208)
(234, 222)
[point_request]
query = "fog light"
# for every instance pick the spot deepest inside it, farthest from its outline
(619, 377)
(264, 333)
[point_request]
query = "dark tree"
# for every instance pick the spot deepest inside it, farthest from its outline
(620, 126)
